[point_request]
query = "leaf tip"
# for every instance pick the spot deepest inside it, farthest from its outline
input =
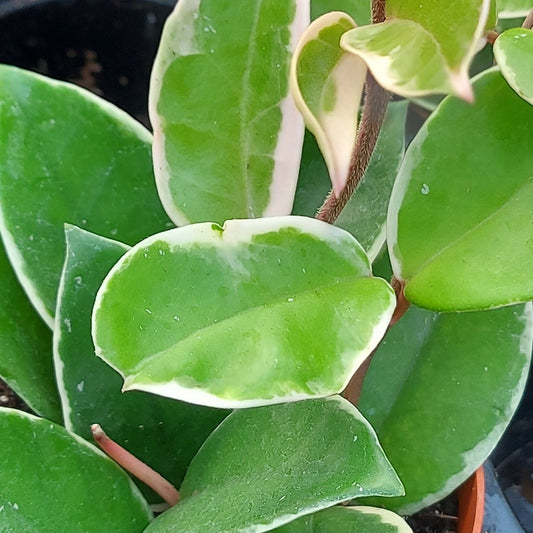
(462, 87)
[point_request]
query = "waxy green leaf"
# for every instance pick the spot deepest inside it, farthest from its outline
(227, 136)
(147, 425)
(67, 156)
(54, 481)
(25, 347)
(359, 10)
(242, 315)
(461, 236)
(513, 8)
(440, 392)
(327, 86)
(264, 467)
(341, 519)
(513, 51)
(423, 47)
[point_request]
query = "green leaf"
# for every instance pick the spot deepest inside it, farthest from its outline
(67, 156)
(461, 236)
(327, 86)
(359, 10)
(424, 46)
(25, 347)
(54, 481)
(360, 519)
(513, 8)
(147, 425)
(227, 135)
(243, 315)
(513, 51)
(441, 390)
(266, 466)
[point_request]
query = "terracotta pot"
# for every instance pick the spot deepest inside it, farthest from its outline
(472, 503)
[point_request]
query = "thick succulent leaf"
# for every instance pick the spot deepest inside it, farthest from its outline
(67, 156)
(513, 51)
(54, 481)
(327, 86)
(360, 519)
(264, 467)
(424, 47)
(242, 315)
(147, 425)
(359, 10)
(25, 347)
(461, 236)
(441, 390)
(227, 136)
(513, 8)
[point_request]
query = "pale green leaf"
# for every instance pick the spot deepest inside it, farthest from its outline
(25, 347)
(67, 156)
(461, 236)
(440, 392)
(260, 311)
(227, 136)
(147, 425)
(327, 86)
(424, 47)
(341, 519)
(513, 51)
(55, 482)
(359, 10)
(266, 466)
(513, 8)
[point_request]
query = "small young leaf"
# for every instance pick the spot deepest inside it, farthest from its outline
(327, 85)
(54, 481)
(423, 47)
(264, 467)
(242, 315)
(25, 347)
(67, 156)
(461, 236)
(227, 136)
(145, 424)
(340, 519)
(513, 51)
(440, 392)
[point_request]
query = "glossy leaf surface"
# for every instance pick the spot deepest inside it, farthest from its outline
(227, 134)
(266, 466)
(423, 47)
(147, 425)
(513, 51)
(67, 156)
(513, 8)
(327, 86)
(461, 236)
(25, 347)
(441, 390)
(359, 10)
(53, 481)
(340, 519)
(242, 315)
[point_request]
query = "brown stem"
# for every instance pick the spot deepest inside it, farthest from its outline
(528, 23)
(492, 36)
(352, 392)
(135, 466)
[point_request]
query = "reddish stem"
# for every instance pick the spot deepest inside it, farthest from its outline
(528, 23)
(135, 466)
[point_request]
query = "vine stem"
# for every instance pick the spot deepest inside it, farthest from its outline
(135, 466)
(528, 23)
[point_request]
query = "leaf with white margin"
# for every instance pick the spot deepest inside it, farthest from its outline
(352, 519)
(227, 136)
(513, 51)
(67, 156)
(513, 8)
(25, 347)
(327, 86)
(423, 47)
(55, 481)
(266, 466)
(258, 312)
(359, 10)
(147, 425)
(461, 236)
(440, 391)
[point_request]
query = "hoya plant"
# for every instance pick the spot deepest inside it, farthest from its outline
(259, 321)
